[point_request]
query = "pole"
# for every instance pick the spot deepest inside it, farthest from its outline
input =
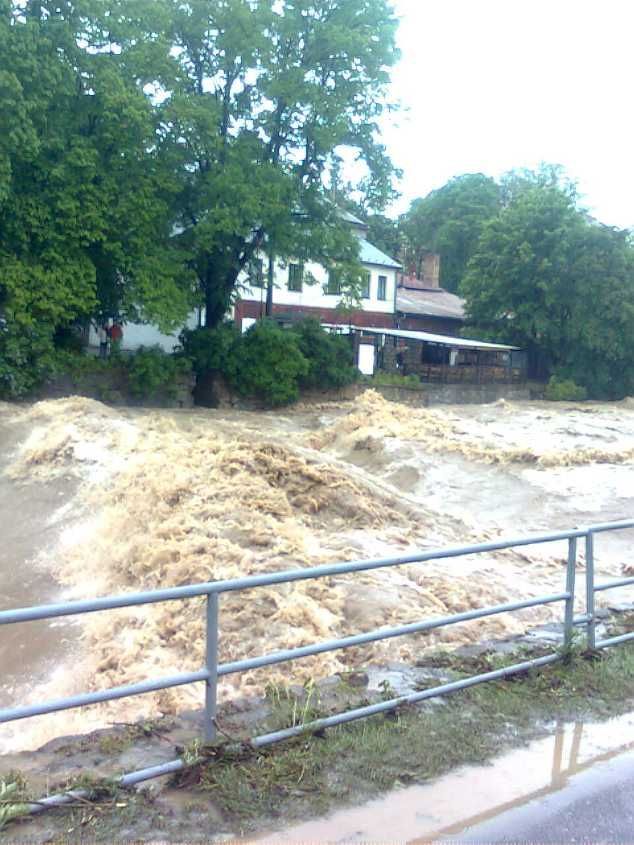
(211, 684)
(570, 589)
(590, 589)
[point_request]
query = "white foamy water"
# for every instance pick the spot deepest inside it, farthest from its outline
(157, 498)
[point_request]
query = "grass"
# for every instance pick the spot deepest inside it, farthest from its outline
(395, 380)
(256, 788)
(311, 775)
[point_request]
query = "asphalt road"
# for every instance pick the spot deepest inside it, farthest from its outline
(596, 806)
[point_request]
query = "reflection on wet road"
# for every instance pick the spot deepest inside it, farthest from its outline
(449, 807)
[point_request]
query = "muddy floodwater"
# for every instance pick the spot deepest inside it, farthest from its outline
(96, 501)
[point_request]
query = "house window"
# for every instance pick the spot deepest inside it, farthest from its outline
(295, 277)
(365, 285)
(333, 285)
(382, 289)
(256, 276)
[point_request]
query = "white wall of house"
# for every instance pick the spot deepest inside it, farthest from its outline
(314, 295)
(136, 335)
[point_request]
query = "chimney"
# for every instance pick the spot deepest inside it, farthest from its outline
(431, 270)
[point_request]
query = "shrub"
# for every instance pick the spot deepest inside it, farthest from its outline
(77, 365)
(330, 357)
(26, 358)
(152, 371)
(269, 364)
(396, 380)
(564, 390)
(212, 350)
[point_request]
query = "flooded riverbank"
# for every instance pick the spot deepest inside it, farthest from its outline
(117, 500)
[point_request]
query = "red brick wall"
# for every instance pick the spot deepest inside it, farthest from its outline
(250, 308)
(371, 319)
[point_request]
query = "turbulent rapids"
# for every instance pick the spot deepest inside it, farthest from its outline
(134, 500)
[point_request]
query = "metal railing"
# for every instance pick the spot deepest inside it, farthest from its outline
(213, 670)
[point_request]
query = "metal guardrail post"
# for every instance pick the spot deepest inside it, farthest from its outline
(590, 589)
(211, 684)
(570, 589)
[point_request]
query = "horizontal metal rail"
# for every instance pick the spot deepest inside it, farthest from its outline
(177, 765)
(623, 638)
(384, 634)
(618, 525)
(99, 697)
(50, 611)
(610, 585)
(402, 701)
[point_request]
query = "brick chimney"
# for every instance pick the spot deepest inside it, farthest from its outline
(431, 270)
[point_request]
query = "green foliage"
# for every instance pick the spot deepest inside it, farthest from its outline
(26, 357)
(330, 357)
(11, 807)
(85, 217)
(265, 95)
(449, 221)
(385, 234)
(270, 364)
(551, 280)
(564, 390)
(78, 365)
(213, 349)
(395, 380)
(151, 371)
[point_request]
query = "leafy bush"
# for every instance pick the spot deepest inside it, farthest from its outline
(152, 371)
(78, 364)
(269, 364)
(564, 390)
(26, 358)
(395, 380)
(330, 357)
(212, 350)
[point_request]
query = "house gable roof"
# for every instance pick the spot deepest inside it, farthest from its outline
(430, 302)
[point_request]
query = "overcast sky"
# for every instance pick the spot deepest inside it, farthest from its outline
(493, 84)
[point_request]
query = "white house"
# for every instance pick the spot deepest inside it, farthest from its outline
(300, 290)
(310, 290)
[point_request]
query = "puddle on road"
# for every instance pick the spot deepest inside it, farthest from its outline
(473, 794)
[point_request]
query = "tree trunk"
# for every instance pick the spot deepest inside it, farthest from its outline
(217, 287)
(269, 285)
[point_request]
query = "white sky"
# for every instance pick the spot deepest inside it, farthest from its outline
(493, 84)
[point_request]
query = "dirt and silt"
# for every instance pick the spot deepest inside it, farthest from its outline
(98, 501)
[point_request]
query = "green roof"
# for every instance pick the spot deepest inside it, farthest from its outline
(372, 255)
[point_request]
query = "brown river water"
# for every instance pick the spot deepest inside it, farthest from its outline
(97, 501)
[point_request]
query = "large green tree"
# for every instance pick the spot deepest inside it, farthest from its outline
(84, 202)
(449, 221)
(548, 278)
(268, 95)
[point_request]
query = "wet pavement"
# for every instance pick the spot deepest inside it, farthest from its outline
(595, 806)
(574, 786)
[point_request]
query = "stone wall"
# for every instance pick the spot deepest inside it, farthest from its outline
(454, 394)
(474, 394)
(112, 388)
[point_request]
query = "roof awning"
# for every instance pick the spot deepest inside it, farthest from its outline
(428, 337)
